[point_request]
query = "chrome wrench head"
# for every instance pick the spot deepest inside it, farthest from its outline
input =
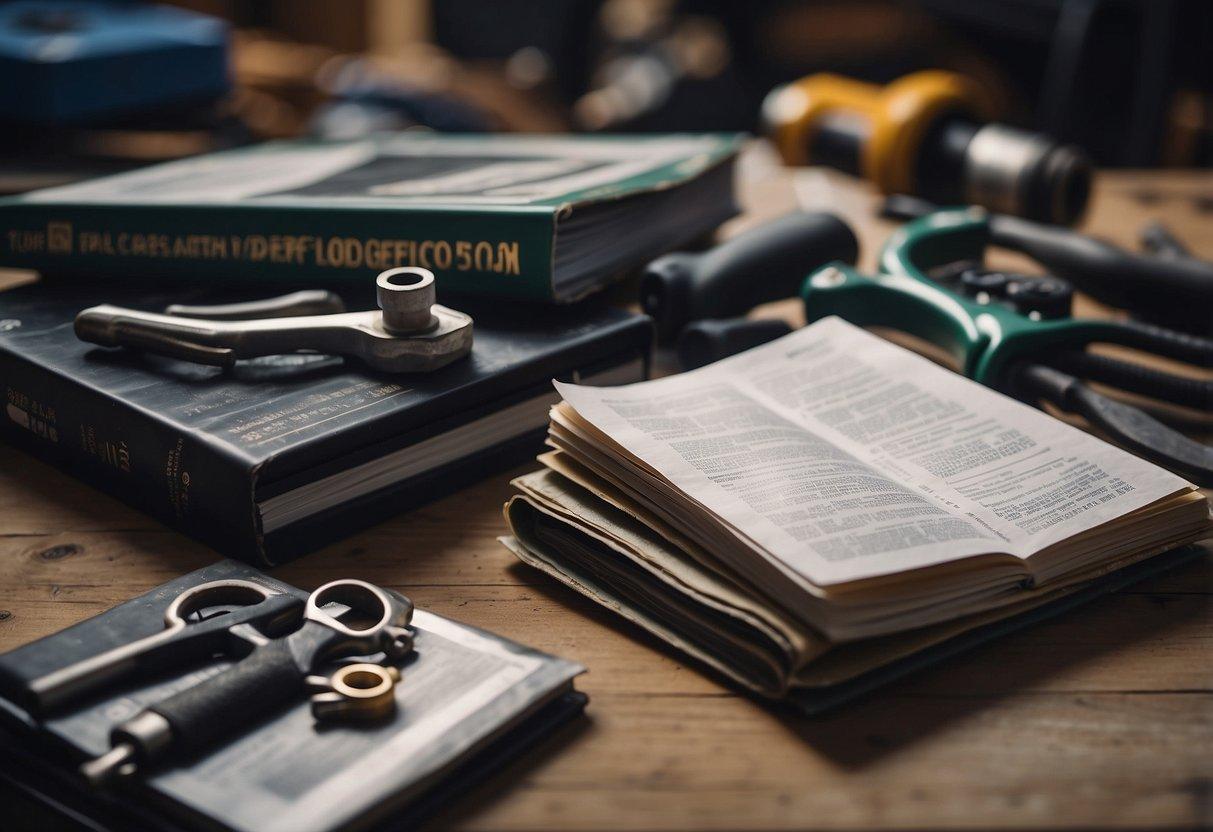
(375, 620)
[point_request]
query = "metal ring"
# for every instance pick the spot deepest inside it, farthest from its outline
(231, 590)
(424, 277)
(382, 681)
(344, 589)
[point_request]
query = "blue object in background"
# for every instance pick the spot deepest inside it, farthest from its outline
(77, 62)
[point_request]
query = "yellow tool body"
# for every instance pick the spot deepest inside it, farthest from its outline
(928, 134)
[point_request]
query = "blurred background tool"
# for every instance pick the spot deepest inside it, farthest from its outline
(73, 61)
(763, 264)
(91, 87)
(1166, 285)
(651, 53)
(928, 134)
(341, 70)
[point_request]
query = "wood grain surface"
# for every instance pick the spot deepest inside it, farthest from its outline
(1100, 719)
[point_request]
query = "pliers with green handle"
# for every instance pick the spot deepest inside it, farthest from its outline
(1020, 353)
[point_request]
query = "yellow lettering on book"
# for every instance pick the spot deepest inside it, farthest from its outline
(22, 241)
(343, 252)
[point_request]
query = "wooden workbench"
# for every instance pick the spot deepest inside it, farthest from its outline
(1103, 718)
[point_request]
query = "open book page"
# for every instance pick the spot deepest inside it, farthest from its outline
(845, 457)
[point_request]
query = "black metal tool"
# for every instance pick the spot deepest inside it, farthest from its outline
(273, 674)
(237, 613)
(1126, 425)
(1169, 286)
(763, 264)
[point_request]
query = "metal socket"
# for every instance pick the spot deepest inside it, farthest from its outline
(406, 295)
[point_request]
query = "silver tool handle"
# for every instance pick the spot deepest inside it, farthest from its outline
(306, 302)
(114, 326)
(221, 343)
(409, 333)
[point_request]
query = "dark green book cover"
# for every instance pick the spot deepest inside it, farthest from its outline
(536, 217)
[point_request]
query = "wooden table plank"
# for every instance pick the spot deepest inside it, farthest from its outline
(1022, 761)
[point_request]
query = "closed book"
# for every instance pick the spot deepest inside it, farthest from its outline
(528, 217)
(282, 454)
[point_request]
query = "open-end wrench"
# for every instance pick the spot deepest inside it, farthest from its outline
(184, 640)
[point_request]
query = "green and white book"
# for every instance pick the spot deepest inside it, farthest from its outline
(531, 217)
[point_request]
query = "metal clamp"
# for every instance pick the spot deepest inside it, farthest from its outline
(409, 333)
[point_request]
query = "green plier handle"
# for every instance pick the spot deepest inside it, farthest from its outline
(994, 344)
(985, 339)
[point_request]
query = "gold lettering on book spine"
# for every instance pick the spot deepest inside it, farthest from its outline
(338, 252)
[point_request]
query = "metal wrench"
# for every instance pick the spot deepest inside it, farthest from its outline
(180, 643)
(409, 333)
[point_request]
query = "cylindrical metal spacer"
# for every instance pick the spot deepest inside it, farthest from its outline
(405, 295)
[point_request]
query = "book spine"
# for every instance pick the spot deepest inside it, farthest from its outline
(493, 254)
(129, 454)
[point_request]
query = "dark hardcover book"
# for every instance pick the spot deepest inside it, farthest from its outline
(537, 218)
(283, 454)
(468, 704)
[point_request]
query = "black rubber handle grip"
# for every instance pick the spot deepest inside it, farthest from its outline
(230, 701)
(764, 264)
(1136, 378)
(1182, 346)
(703, 342)
(1107, 273)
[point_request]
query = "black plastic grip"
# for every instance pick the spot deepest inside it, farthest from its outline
(764, 264)
(1182, 346)
(1143, 434)
(229, 701)
(1163, 286)
(1135, 378)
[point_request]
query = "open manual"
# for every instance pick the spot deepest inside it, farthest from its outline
(804, 514)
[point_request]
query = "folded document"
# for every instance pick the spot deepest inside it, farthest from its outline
(824, 505)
